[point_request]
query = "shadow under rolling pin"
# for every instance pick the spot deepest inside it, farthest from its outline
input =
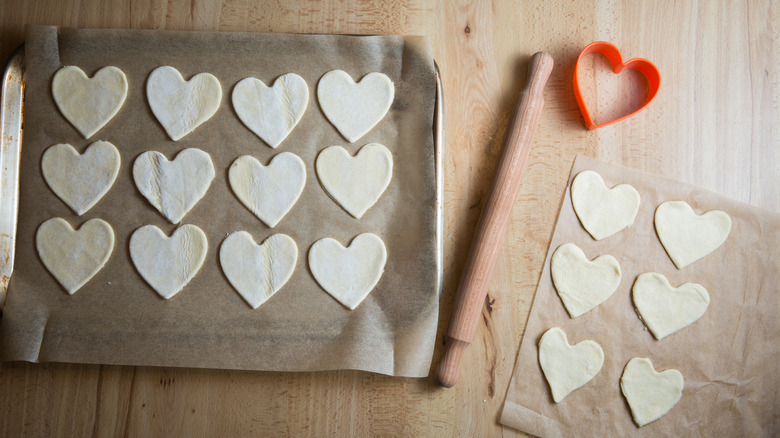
(494, 219)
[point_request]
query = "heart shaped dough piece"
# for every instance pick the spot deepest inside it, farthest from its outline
(271, 112)
(666, 309)
(355, 108)
(269, 192)
(89, 103)
(74, 256)
(181, 106)
(173, 187)
(602, 211)
(168, 263)
(568, 367)
(348, 274)
(650, 395)
(257, 272)
(81, 180)
(356, 183)
(583, 284)
(686, 236)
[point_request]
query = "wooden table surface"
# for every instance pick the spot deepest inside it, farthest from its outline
(715, 123)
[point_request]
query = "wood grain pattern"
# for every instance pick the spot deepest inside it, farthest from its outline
(714, 124)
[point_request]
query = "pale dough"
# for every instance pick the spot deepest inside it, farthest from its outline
(257, 272)
(181, 106)
(355, 108)
(666, 309)
(568, 367)
(89, 103)
(269, 192)
(650, 394)
(602, 211)
(348, 274)
(74, 256)
(356, 183)
(686, 236)
(173, 187)
(271, 112)
(80, 180)
(583, 284)
(168, 263)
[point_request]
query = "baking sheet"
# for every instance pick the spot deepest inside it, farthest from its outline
(117, 318)
(728, 358)
(10, 151)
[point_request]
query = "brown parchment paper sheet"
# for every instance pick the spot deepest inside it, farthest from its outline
(116, 318)
(728, 358)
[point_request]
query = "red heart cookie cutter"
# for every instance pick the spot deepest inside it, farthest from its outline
(612, 53)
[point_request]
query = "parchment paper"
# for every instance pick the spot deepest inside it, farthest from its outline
(117, 318)
(728, 358)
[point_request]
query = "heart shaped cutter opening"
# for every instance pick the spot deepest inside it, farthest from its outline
(643, 66)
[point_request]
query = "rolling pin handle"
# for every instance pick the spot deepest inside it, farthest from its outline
(449, 367)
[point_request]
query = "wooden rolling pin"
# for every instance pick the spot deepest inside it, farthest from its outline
(493, 222)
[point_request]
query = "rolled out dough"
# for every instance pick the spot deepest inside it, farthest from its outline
(650, 394)
(271, 112)
(348, 274)
(568, 367)
(269, 192)
(688, 237)
(74, 256)
(173, 187)
(89, 103)
(665, 309)
(583, 284)
(602, 211)
(168, 263)
(181, 106)
(356, 183)
(355, 108)
(257, 272)
(80, 180)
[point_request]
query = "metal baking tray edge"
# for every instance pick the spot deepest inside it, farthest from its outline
(10, 154)
(438, 150)
(11, 147)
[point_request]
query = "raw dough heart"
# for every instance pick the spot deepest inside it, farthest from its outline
(173, 187)
(348, 274)
(273, 112)
(355, 108)
(80, 180)
(602, 211)
(356, 183)
(89, 103)
(258, 271)
(650, 395)
(583, 284)
(74, 257)
(179, 105)
(568, 367)
(666, 309)
(268, 191)
(168, 263)
(686, 236)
